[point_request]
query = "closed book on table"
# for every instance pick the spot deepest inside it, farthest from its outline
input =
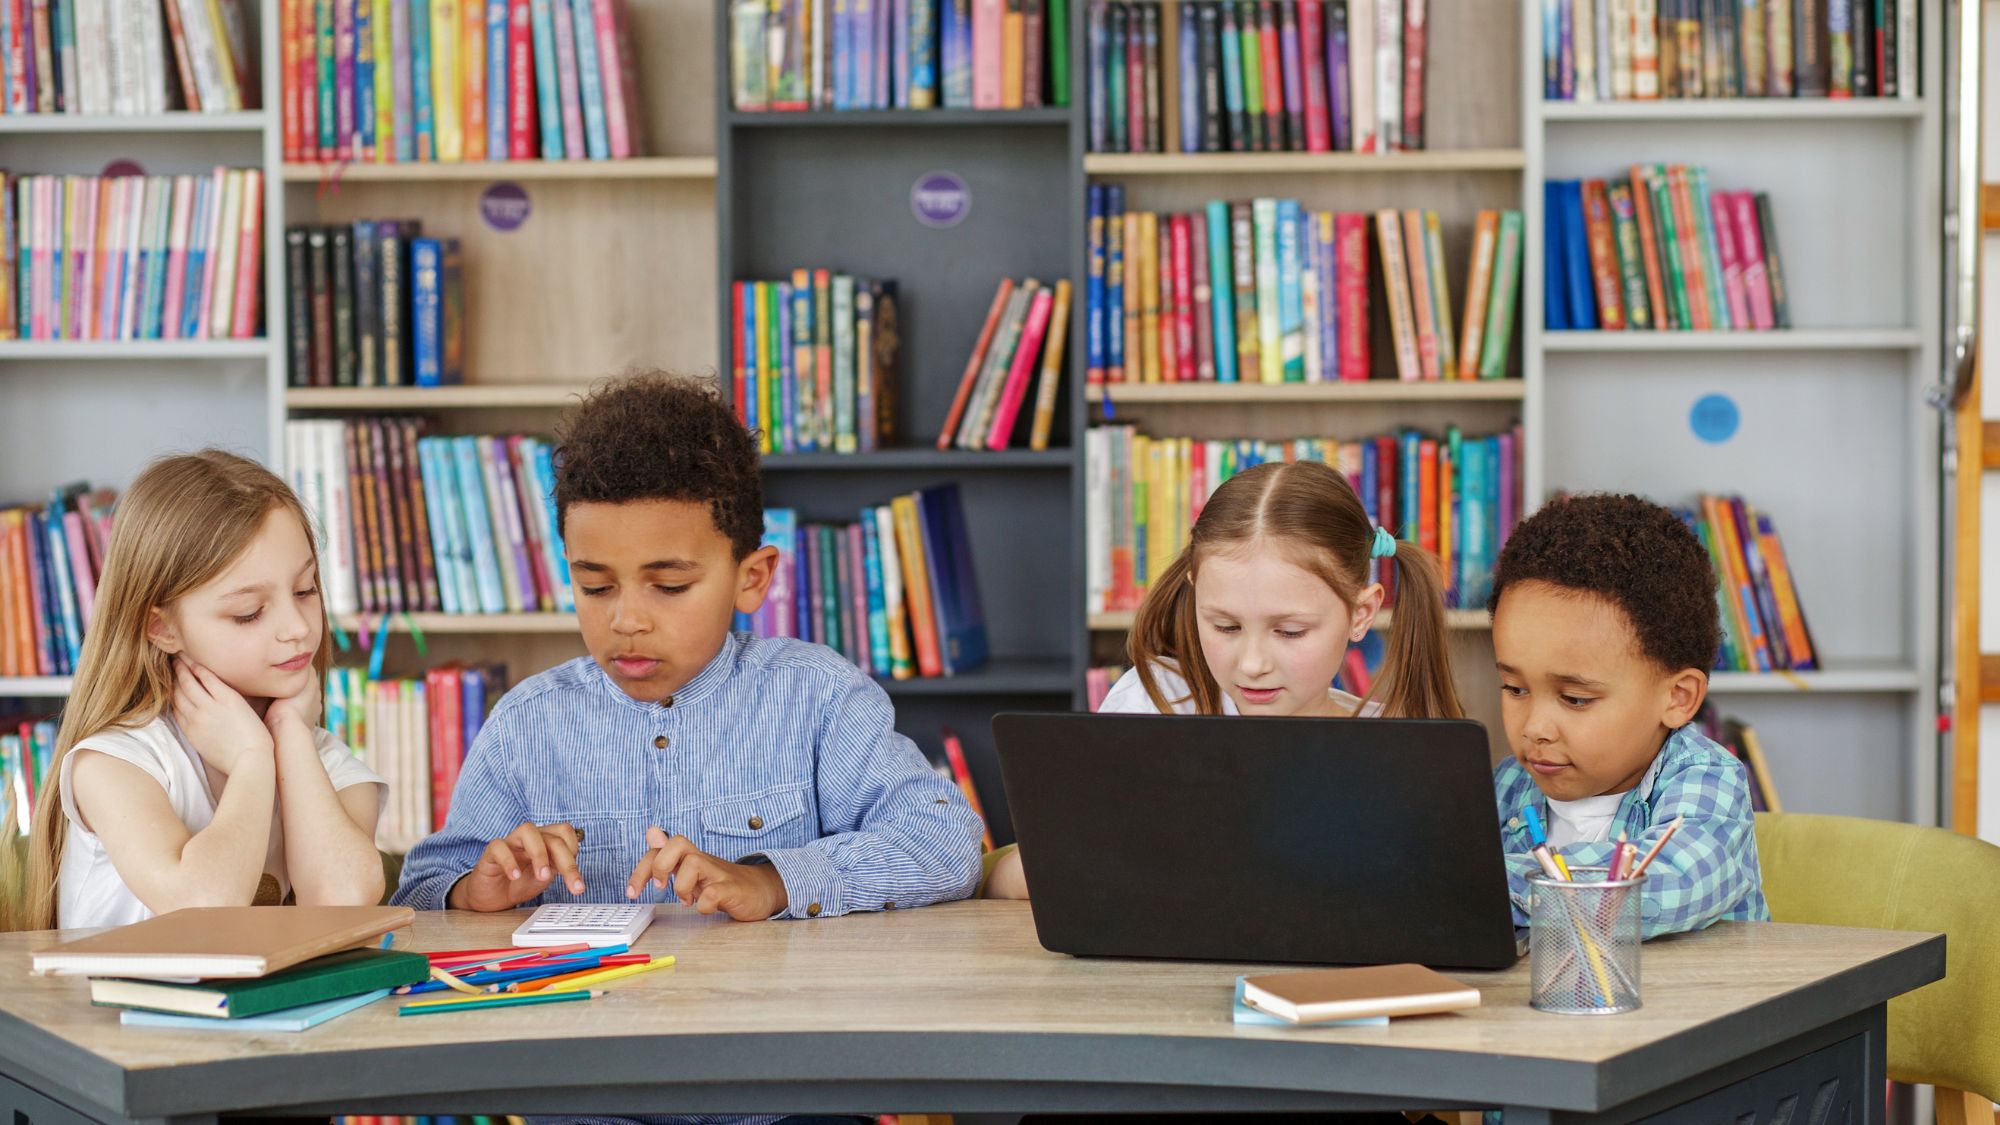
(1317, 995)
(328, 978)
(210, 942)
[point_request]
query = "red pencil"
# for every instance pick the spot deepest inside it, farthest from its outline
(1672, 827)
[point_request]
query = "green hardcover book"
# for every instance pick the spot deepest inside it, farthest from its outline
(1670, 245)
(1711, 254)
(1631, 267)
(1117, 18)
(1058, 59)
(1243, 268)
(325, 978)
(1270, 332)
(1781, 313)
(1499, 334)
(1253, 77)
(830, 633)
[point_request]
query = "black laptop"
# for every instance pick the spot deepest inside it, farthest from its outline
(1245, 839)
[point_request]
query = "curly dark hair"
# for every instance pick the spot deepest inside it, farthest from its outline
(1633, 553)
(659, 436)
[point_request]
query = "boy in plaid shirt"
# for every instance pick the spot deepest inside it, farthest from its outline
(1604, 627)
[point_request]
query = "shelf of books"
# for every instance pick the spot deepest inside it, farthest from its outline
(1352, 391)
(1294, 163)
(1694, 340)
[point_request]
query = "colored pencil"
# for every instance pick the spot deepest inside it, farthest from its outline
(428, 1007)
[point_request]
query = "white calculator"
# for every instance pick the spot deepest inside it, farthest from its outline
(592, 924)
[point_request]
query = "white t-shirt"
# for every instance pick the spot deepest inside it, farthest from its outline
(89, 891)
(1586, 820)
(1128, 696)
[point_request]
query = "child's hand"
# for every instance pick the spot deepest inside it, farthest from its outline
(305, 706)
(222, 726)
(745, 892)
(518, 867)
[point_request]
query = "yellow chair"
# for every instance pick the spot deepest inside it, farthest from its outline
(1843, 871)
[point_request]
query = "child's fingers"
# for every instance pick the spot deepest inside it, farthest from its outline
(562, 849)
(710, 899)
(498, 861)
(185, 682)
(641, 872)
(668, 858)
(691, 874)
(527, 839)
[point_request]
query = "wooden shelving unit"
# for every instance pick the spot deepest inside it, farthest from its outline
(523, 171)
(1369, 390)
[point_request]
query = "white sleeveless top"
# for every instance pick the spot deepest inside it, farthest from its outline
(89, 891)
(1128, 696)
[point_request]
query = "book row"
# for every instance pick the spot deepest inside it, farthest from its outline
(1618, 50)
(411, 523)
(814, 361)
(133, 257)
(1740, 739)
(1257, 75)
(415, 733)
(1025, 329)
(1763, 621)
(27, 746)
(373, 303)
(1455, 495)
(1662, 251)
(1268, 291)
(894, 591)
(51, 557)
(102, 58)
(396, 81)
(898, 54)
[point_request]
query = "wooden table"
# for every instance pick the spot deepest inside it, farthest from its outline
(958, 1008)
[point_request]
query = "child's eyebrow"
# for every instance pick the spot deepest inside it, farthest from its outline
(252, 588)
(1579, 681)
(672, 564)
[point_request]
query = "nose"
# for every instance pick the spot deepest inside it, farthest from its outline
(292, 623)
(625, 622)
(1255, 657)
(1540, 727)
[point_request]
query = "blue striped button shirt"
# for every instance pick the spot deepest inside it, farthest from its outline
(777, 751)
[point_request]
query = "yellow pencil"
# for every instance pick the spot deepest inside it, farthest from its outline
(617, 973)
(484, 1000)
(1561, 866)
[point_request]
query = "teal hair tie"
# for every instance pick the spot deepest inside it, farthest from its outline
(1384, 546)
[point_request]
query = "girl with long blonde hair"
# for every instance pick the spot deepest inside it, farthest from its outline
(190, 769)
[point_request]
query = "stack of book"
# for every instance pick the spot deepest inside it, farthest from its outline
(396, 81)
(1456, 496)
(51, 557)
(894, 592)
(1740, 739)
(1257, 75)
(90, 57)
(415, 733)
(898, 54)
(1616, 50)
(814, 361)
(1267, 291)
(1763, 619)
(452, 524)
(373, 304)
(1025, 329)
(241, 968)
(1662, 251)
(133, 257)
(27, 746)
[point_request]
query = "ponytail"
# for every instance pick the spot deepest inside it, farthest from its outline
(1416, 673)
(1165, 629)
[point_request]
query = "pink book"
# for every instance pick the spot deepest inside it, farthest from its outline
(569, 92)
(79, 194)
(1350, 288)
(545, 590)
(521, 138)
(1732, 261)
(38, 322)
(987, 17)
(517, 525)
(131, 282)
(1025, 358)
(1750, 245)
(177, 245)
(211, 240)
(614, 52)
(249, 279)
(79, 565)
(857, 594)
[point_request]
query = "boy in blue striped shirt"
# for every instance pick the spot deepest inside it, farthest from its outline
(755, 777)
(1604, 628)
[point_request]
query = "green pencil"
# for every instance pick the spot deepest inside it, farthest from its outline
(501, 1000)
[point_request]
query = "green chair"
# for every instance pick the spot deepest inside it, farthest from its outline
(1843, 871)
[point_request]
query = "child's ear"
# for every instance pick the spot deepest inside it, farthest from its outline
(753, 578)
(1367, 604)
(1685, 693)
(161, 632)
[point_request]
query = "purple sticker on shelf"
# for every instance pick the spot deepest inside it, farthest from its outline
(124, 166)
(940, 199)
(505, 206)
(1715, 418)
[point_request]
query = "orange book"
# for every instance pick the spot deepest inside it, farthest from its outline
(1694, 267)
(1798, 642)
(1427, 495)
(1479, 279)
(1649, 248)
(1013, 32)
(1421, 294)
(1603, 244)
(472, 69)
(27, 652)
(1052, 356)
(1730, 572)
(1149, 294)
(1134, 370)
(1396, 287)
(917, 586)
(1447, 503)
(961, 772)
(9, 647)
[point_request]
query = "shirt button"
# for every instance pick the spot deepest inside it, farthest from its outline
(812, 911)
(667, 702)
(888, 906)
(756, 822)
(660, 743)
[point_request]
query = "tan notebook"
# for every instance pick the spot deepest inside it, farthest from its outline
(220, 942)
(1316, 995)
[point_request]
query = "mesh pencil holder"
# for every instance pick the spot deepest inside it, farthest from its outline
(1583, 943)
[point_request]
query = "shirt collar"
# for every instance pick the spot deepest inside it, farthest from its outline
(705, 682)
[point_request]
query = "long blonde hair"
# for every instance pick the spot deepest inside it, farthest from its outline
(1312, 512)
(183, 521)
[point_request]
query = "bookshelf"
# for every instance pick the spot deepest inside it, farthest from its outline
(1834, 442)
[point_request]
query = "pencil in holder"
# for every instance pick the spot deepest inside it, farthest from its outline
(1583, 943)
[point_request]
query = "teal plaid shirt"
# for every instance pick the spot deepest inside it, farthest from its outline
(1708, 873)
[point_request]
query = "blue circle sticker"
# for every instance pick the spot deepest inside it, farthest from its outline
(940, 199)
(505, 206)
(1714, 418)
